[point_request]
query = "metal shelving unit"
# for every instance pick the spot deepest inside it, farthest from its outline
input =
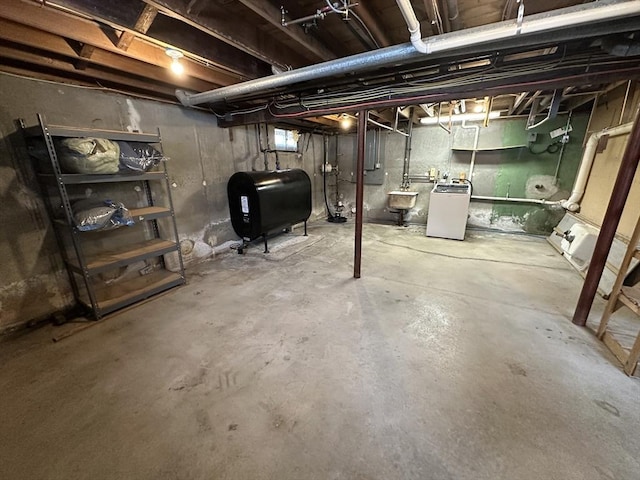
(84, 267)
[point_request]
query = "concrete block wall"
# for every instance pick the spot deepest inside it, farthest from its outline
(33, 280)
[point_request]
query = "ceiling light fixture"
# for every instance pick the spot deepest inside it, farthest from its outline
(176, 55)
(345, 121)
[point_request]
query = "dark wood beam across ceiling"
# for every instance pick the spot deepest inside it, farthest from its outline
(45, 61)
(233, 29)
(88, 32)
(71, 50)
(129, 17)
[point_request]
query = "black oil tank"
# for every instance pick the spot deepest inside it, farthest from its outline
(263, 202)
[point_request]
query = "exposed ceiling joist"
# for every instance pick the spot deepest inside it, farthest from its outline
(272, 15)
(523, 106)
(518, 101)
(37, 39)
(326, 121)
(50, 62)
(367, 16)
(234, 32)
(89, 33)
(143, 23)
(85, 53)
(167, 32)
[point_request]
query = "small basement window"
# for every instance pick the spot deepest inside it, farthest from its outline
(286, 139)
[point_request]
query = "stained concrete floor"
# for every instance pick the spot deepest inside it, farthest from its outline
(446, 360)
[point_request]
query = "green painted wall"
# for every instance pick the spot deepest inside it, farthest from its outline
(516, 166)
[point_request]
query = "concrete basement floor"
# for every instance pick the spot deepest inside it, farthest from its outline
(447, 360)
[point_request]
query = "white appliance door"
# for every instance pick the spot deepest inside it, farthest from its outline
(448, 215)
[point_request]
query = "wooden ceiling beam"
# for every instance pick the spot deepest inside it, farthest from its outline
(165, 31)
(143, 23)
(31, 37)
(85, 52)
(88, 32)
(369, 19)
(271, 14)
(52, 62)
(236, 32)
(326, 121)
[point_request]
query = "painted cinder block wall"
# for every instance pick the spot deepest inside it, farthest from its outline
(510, 172)
(202, 157)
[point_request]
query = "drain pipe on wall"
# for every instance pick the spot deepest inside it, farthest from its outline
(476, 141)
(573, 202)
(406, 184)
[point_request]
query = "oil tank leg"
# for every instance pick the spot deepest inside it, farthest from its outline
(266, 247)
(305, 228)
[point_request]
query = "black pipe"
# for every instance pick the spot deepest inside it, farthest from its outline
(324, 177)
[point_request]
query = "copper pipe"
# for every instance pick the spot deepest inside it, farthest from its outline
(362, 134)
(621, 189)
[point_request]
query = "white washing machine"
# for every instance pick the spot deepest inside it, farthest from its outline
(448, 210)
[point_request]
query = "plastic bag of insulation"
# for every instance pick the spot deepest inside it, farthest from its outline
(138, 156)
(92, 215)
(88, 155)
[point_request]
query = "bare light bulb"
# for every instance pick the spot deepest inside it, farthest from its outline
(176, 67)
(345, 122)
(176, 55)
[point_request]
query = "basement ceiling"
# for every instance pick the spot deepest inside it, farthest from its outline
(121, 44)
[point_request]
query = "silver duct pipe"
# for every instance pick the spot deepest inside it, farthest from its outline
(571, 17)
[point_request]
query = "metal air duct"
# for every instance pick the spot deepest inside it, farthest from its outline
(534, 28)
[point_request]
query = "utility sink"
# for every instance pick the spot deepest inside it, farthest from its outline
(401, 200)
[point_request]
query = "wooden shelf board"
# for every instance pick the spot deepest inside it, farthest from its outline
(149, 213)
(121, 294)
(131, 253)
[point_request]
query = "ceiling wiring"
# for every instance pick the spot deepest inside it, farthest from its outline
(372, 100)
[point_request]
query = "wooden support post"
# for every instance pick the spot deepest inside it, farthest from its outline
(362, 134)
(621, 189)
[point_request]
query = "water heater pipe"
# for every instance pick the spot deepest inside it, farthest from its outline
(573, 202)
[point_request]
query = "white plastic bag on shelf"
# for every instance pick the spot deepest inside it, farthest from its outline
(88, 155)
(92, 215)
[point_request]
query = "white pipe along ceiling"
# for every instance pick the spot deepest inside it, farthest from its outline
(531, 28)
